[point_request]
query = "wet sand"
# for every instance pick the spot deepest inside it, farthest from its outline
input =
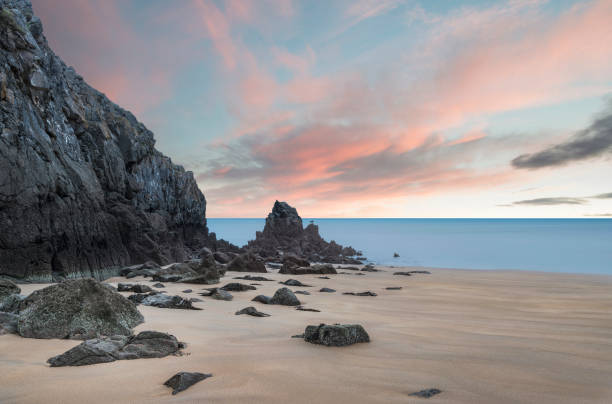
(480, 336)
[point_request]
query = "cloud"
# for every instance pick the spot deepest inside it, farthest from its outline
(551, 201)
(592, 142)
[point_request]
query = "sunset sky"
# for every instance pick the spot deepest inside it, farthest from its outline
(365, 108)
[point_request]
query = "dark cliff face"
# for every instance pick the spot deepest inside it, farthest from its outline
(82, 187)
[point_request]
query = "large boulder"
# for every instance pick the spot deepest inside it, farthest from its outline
(336, 335)
(84, 191)
(77, 309)
(147, 344)
(247, 262)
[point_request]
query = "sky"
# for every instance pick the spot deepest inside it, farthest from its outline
(364, 108)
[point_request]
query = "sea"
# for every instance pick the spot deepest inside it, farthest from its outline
(553, 245)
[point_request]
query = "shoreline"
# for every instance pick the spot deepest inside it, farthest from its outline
(480, 336)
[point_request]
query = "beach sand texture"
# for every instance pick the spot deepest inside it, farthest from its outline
(479, 336)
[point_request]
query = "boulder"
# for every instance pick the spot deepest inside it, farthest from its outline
(336, 335)
(8, 288)
(285, 297)
(221, 257)
(128, 287)
(221, 294)
(159, 285)
(77, 309)
(168, 302)
(147, 344)
(252, 311)
(9, 296)
(183, 380)
(246, 262)
(261, 299)
(8, 323)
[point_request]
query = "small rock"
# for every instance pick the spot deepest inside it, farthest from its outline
(183, 380)
(222, 294)
(168, 302)
(285, 297)
(252, 311)
(187, 291)
(159, 285)
(324, 277)
(301, 292)
(336, 335)
(393, 288)
(261, 299)
(368, 293)
(238, 287)
(294, 282)
(302, 308)
(402, 273)
(426, 393)
(327, 290)
(254, 278)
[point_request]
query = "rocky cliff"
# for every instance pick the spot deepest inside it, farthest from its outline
(284, 233)
(82, 188)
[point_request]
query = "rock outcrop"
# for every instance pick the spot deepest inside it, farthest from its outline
(83, 189)
(336, 335)
(284, 233)
(77, 309)
(147, 344)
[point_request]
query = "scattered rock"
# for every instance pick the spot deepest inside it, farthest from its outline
(168, 302)
(247, 262)
(320, 269)
(324, 277)
(336, 335)
(370, 268)
(261, 299)
(393, 288)
(238, 287)
(402, 273)
(298, 336)
(254, 278)
(147, 344)
(427, 393)
(408, 273)
(221, 294)
(187, 291)
(350, 268)
(302, 308)
(221, 257)
(293, 282)
(368, 293)
(183, 380)
(301, 292)
(159, 285)
(327, 290)
(128, 287)
(8, 323)
(285, 297)
(252, 311)
(195, 300)
(77, 309)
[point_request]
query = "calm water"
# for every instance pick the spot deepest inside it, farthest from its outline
(559, 245)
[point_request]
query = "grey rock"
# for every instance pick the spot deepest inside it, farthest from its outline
(324, 277)
(8, 323)
(221, 294)
(11, 303)
(302, 308)
(83, 191)
(77, 309)
(159, 285)
(301, 292)
(321, 269)
(274, 265)
(252, 311)
(427, 393)
(247, 262)
(147, 344)
(8, 288)
(168, 302)
(238, 287)
(261, 299)
(221, 257)
(183, 380)
(254, 278)
(294, 282)
(336, 335)
(128, 287)
(327, 290)
(187, 291)
(368, 293)
(393, 288)
(285, 297)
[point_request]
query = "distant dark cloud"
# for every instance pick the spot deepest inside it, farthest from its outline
(603, 196)
(552, 201)
(594, 141)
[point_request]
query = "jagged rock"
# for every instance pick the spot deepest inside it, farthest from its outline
(149, 268)
(238, 287)
(427, 393)
(301, 292)
(159, 285)
(368, 293)
(8, 323)
(302, 308)
(320, 269)
(247, 262)
(291, 261)
(147, 344)
(327, 290)
(168, 302)
(336, 335)
(284, 234)
(221, 294)
(252, 311)
(128, 287)
(262, 299)
(84, 191)
(254, 278)
(205, 252)
(393, 288)
(77, 309)
(294, 282)
(285, 297)
(183, 380)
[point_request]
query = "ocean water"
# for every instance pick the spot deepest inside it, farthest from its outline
(555, 245)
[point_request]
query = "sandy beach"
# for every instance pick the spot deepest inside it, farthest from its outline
(480, 336)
